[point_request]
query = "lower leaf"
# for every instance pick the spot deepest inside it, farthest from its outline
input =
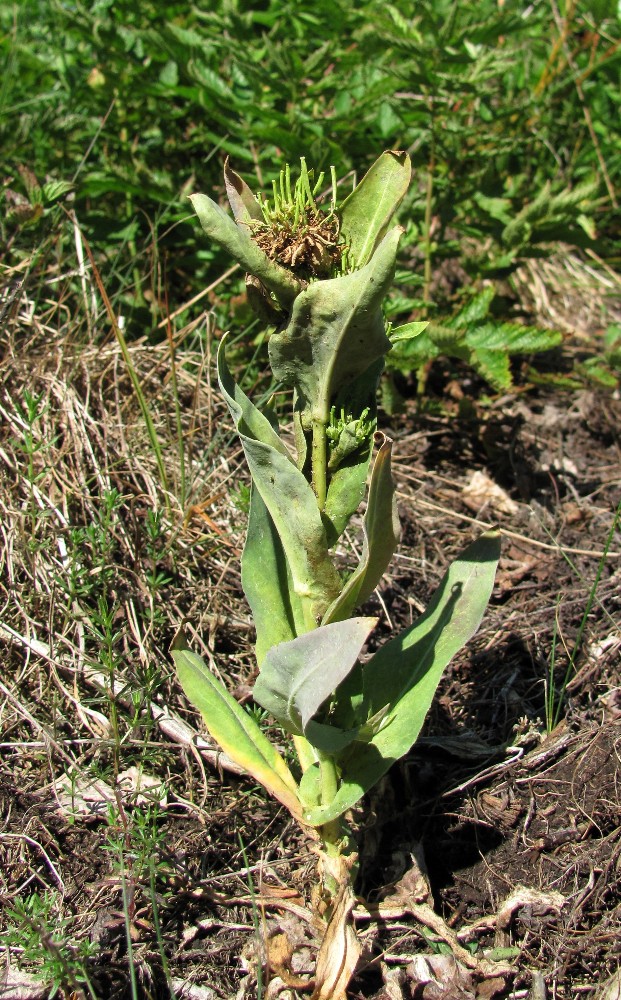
(402, 677)
(235, 730)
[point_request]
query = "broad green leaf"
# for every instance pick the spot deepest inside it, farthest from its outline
(289, 498)
(404, 674)
(297, 677)
(450, 620)
(381, 536)
(476, 310)
(335, 333)
(277, 611)
(513, 338)
(408, 331)
(330, 739)
(494, 366)
(249, 421)
(241, 199)
(234, 729)
(366, 214)
(236, 239)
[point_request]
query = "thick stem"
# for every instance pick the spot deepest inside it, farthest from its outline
(331, 833)
(319, 461)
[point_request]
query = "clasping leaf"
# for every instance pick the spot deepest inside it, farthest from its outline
(402, 677)
(297, 677)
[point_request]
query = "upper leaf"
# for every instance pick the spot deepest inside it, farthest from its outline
(237, 240)
(381, 536)
(367, 212)
(245, 206)
(335, 333)
(288, 497)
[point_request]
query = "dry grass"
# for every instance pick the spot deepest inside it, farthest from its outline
(577, 294)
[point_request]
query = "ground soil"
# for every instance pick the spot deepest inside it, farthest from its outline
(505, 792)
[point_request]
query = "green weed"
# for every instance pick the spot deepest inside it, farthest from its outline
(135, 843)
(41, 936)
(473, 336)
(500, 109)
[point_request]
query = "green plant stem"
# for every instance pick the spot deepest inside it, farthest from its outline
(305, 752)
(331, 833)
(319, 460)
(427, 223)
(127, 904)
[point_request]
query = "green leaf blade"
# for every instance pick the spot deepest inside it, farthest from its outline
(288, 497)
(420, 654)
(367, 212)
(381, 536)
(234, 729)
(237, 240)
(297, 677)
(336, 332)
(277, 611)
(405, 673)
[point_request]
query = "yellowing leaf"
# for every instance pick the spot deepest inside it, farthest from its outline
(235, 730)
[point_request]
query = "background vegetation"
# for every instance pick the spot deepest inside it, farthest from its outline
(120, 109)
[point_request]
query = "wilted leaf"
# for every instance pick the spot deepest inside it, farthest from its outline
(241, 199)
(340, 948)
